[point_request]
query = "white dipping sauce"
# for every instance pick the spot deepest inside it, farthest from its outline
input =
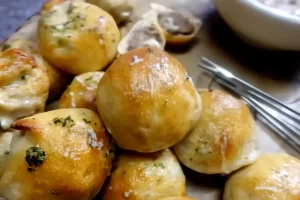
(289, 6)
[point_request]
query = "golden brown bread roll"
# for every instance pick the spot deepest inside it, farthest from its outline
(145, 177)
(24, 86)
(150, 101)
(177, 198)
(179, 28)
(78, 37)
(62, 154)
(274, 176)
(121, 10)
(223, 139)
(81, 93)
(54, 74)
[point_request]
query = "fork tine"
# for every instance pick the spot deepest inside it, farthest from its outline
(207, 67)
(224, 74)
(289, 134)
(272, 124)
(295, 130)
(278, 108)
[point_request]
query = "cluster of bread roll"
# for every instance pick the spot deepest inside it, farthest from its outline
(121, 133)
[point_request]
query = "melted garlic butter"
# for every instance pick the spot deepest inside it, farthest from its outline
(289, 6)
(23, 88)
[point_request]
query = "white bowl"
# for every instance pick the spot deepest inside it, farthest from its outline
(260, 25)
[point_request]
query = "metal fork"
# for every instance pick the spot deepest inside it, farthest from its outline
(276, 115)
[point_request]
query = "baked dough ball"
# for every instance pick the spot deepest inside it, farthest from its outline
(62, 154)
(81, 93)
(145, 177)
(58, 79)
(5, 140)
(179, 28)
(78, 37)
(176, 198)
(144, 33)
(223, 139)
(24, 86)
(121, 10)
(147, 101)
(273, 176)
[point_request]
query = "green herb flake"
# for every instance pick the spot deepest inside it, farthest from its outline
(197, 149)
(150, 50)
(71, 7)
(86, 121)
(159, 164)
(23, 77)
(5, 47)
(89, 78)
(6, 152)
(35, 156)
(64, 121)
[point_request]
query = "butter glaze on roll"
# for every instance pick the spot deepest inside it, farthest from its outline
(223, 139)
(148, 176)
(63, 154)
(54, 74)
(274, 176)
(147, 101)
(24, 86)
(78, 37)
(81, 93)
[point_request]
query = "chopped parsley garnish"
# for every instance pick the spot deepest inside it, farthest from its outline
(5, 47)
(86, 121)
(64, 121)
(35, 156)
(89, 78)
(6, 152)
(23, 77)
(159, 164)
(150, 50)
(70, 8)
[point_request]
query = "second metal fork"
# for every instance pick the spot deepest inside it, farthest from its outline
(279, 117)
